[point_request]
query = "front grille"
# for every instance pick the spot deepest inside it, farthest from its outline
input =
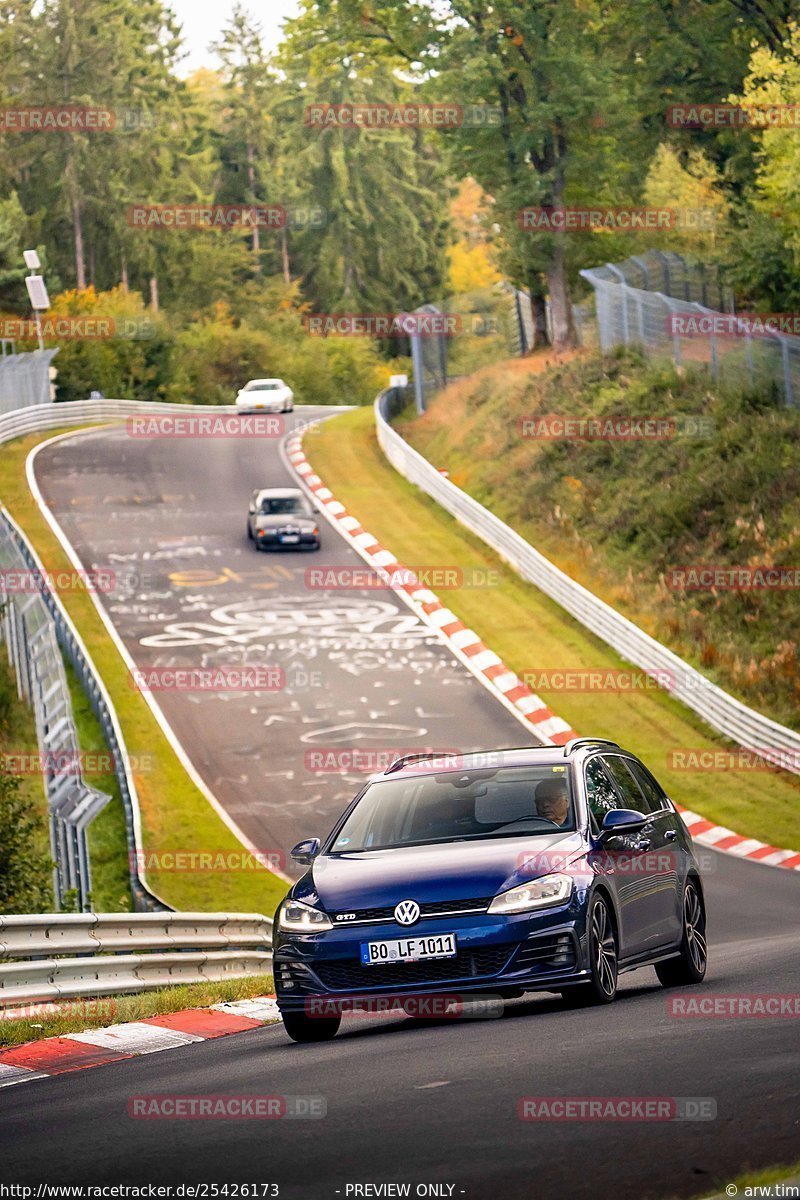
(555, 953)
(434, 909)
(468, 964)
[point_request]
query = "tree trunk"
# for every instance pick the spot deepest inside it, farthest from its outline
(563, 327)
(536, 290)
(123, 282)
(287, 275)
(154, 293)
(77, 225)
(251, 183)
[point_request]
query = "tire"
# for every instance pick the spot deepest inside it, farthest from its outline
(250, 537)
(690, 965)
(603, 958)
(302, 1028)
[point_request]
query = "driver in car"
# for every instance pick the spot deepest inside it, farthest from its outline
(552, 800)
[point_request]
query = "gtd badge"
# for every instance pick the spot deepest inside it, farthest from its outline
(407, 912)
(345, 916)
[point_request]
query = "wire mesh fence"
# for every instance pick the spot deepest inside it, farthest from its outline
(677, 325)
(24, 378)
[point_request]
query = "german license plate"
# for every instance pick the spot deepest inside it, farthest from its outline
(436, 945)
(290, 539)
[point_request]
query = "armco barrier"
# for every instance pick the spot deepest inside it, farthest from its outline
(719, 709)
(160, 949)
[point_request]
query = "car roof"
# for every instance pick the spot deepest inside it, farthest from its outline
(269, 493)
(275, 380)
(514, 756)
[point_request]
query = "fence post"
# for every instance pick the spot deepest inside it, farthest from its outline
(787, 373)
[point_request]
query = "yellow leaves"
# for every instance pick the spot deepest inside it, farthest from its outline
(471, 267)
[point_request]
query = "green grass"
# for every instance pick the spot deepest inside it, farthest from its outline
(96, 1012)
(18, 736)
(106, 836)
(769, 1175)
(621, 516)
(528, 630)
(175, 814)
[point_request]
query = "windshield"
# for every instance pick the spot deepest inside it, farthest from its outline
(448, 807)
(284, 504)
(269, 386)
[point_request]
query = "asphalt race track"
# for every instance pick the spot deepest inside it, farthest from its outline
(362, 672)
(407, 1103)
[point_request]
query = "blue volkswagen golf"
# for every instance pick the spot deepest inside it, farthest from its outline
(503, 872)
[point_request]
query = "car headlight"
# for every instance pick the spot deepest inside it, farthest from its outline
(297, 917)
(550, 889)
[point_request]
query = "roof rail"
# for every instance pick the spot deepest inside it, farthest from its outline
(410, 758)
(588, 741)
(420, 757)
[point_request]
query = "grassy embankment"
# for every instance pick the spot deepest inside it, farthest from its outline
(530, 631)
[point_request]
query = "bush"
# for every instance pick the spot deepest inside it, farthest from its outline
(214, 358)
(131, 364)
(25, 879)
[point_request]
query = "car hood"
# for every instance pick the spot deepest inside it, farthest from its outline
(448, 871)
(281, 520)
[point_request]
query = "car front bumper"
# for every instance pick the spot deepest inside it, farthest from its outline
(537, 951)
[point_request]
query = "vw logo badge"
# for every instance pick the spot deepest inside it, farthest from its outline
(406, 912)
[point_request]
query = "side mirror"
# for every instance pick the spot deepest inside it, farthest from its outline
(251, 509)
(620, 821)
(305, 852)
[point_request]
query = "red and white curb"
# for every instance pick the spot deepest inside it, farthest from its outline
(115, 1043)
(548, 728)
(728, 842)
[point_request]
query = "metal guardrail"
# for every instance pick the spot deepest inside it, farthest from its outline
(29, 632)
(58, 956)
(720, 710)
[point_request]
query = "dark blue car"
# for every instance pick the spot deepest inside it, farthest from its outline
(503, 872)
